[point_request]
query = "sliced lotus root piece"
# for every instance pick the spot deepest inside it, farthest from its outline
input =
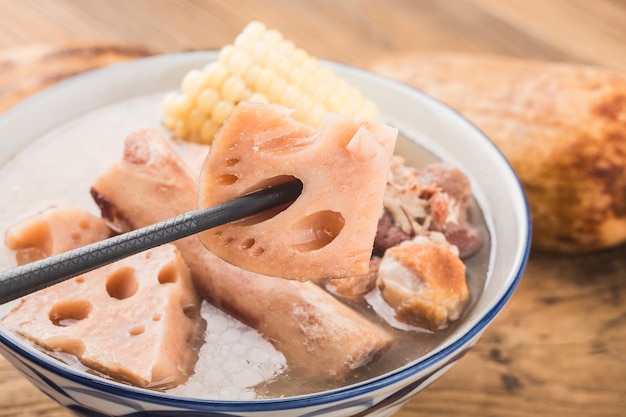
(329, 230)
(137, 319)
(54, 231)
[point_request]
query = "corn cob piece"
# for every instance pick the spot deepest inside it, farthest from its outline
(264, 67)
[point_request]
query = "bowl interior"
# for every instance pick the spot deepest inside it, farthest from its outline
(424, 123)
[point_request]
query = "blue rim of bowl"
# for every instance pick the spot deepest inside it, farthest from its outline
(314, 399)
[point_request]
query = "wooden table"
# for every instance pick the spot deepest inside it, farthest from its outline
(559, 347)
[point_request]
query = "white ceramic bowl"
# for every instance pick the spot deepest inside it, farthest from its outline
(419, 117)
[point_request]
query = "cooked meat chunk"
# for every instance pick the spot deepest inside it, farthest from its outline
(420, 202)
(448, 179)
(467, 239)
(388, 234)
(424, 283)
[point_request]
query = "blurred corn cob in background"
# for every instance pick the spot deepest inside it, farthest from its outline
(264, 67)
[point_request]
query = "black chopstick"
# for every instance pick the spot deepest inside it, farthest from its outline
(26, 279)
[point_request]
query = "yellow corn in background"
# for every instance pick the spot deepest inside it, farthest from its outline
(264, 67)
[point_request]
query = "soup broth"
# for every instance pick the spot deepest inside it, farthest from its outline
(58, 170)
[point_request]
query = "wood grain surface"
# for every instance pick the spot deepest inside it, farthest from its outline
(559, 346)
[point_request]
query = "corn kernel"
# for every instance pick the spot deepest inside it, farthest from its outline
(332, 85)
(182, 105)
(225, 54)
(244, 42)
(232, 89)
(246, 94)
(180, 129)
(194, 120)
(192, 83)
(316, 115)
(298, 77)
(335, 103)
(207, 100)
(260, 53)
(272, 37)
(216, 74)
(351, 106)
(322, 92)
(310, 65)
(325, 74)
(284, 67)
(252, 74)
(168, 104)
(255, 29)
(286, 48)
(299, 55)
(276, 89)
(169, 122)
(221, 111)
(240, 63)
(303, 107)
(258, 98)
(207, 131)
(290, 95)
(264, 80)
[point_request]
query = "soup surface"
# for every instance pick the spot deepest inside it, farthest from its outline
(235, 361)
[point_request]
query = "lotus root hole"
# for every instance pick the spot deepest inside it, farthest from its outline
(122, 283)
(34, 244)
(229, 162)
(65, 313)
(228, 241)
(227, 179)
(156, 317)
(191, 311)
(317, 230)
(84, 224)
(75, 237)
(80, 279)
(258, 251)
(168, 274)
(247, 244)
(137, 330)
